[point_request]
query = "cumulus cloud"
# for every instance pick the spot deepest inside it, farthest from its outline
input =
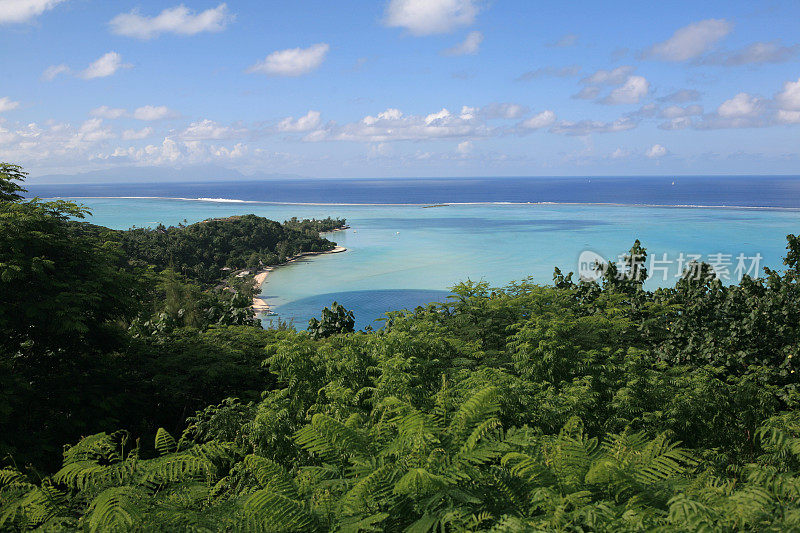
(691, 41)
(558, 72)
(541, 120)
(108, 112)
(656, 151)
(307, 122)
(106, 66)
(12, 11)
(392, 125)
(92, 131)
(788, 101)
(469, 46)
(675, 111)
(789, 97)
(427, 17)
(631, 92)
(753, 54)
(6, 104)
(464, 148)
(179, 20)
(150, 112)
(616, 76)
(292, 62)
(53, 71)
(132, 135)
(741, 105)
(206, 129)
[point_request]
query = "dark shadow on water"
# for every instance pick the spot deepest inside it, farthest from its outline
(367, 306)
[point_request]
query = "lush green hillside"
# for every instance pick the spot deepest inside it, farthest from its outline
(566, 407)
(208, 250)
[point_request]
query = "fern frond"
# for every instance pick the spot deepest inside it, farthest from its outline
(326, 436)
(375, 487)
(474, 411)
(271, 476)
(268, 511)
(360, 524)
(115, 509)
(165, 443)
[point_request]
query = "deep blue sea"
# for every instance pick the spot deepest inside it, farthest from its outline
(402, 254)
(751, 191)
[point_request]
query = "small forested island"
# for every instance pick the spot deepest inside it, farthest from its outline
(139, 393)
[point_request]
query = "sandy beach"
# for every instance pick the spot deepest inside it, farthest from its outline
(259, 305)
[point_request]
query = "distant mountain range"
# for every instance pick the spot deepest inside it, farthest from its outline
(155, 174)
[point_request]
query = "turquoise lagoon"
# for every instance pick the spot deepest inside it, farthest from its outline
(401, 256)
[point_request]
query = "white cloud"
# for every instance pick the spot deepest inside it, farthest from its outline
(464, 148)
(24, 10)
(498, 110)
(150, 112)
(179, 20)
(53, 71)
(108, 112)
(616, 76)
(470, 45)
(788, 117)
(656, 151)
(789, 98)
(753, 54)
(541, 120)
(92, 131)
(6, 104)
(209, 130)
(132, 135)
(691, 41)
(631, 92)
(427, 17)
(677, 123)
(741, 105)
(307, 122)
(587, 93)
(392, 125)
(675, 111)
(587, 127)
(788, 101)
(106, 66)
(619, 153)
(292, 62)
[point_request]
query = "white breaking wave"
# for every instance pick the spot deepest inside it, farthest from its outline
(222, 200)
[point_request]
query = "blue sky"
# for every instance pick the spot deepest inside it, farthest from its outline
(402, 87)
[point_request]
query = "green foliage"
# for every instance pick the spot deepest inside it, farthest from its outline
(335, 320)
(571, 407)
(207, 251)
(9, 191)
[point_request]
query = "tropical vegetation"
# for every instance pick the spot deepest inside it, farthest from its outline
(573, 406)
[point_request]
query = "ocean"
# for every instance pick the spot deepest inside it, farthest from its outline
(402, 252)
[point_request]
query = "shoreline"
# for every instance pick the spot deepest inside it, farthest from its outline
(259, 305)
